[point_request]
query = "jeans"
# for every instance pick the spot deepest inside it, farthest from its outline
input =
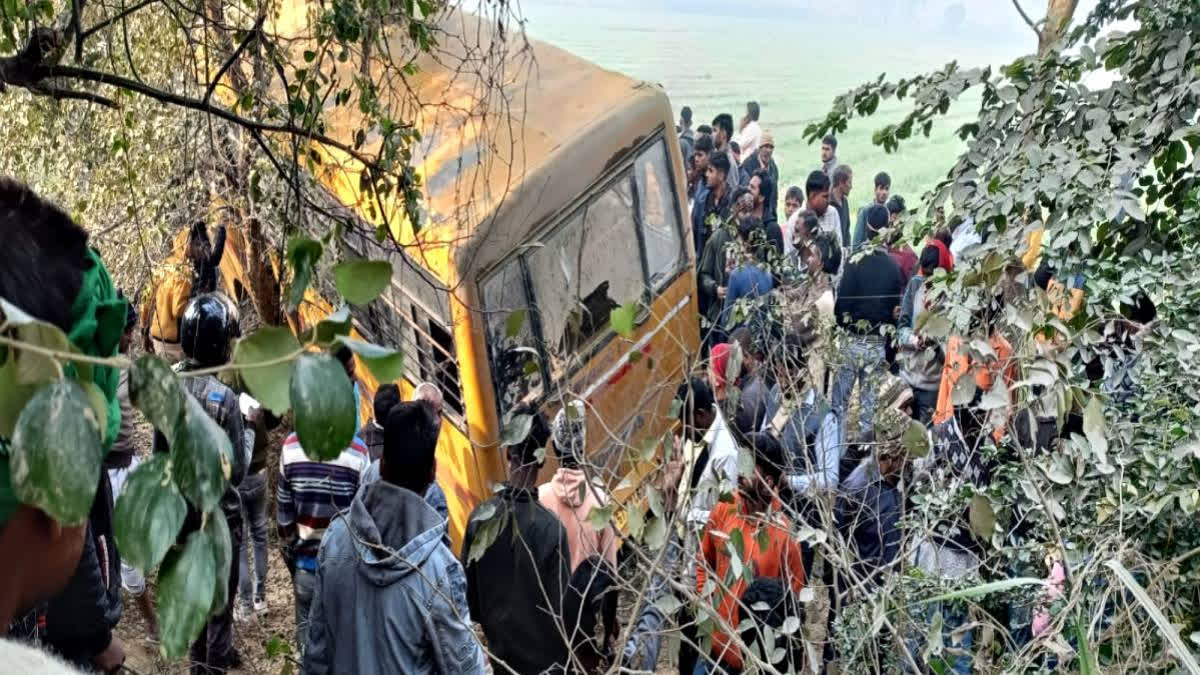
(865, 363)
(254, 511)
(924, 402)
(303, 584)
(212, 652)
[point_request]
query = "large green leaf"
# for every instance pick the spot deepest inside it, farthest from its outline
(201, 456)
(149, 514)
(31, 367)
(56, 453)
(337, 323)
(323, 400)
(387, 365)
(269, 384)
(155, 390)
(13, 394)
(185, 593)
(303, 254)
(361, 281)
(217, 532)
(624, 318)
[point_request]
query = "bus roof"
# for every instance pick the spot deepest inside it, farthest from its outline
(512, 131)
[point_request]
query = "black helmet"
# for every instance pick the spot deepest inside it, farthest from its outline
(206, 330)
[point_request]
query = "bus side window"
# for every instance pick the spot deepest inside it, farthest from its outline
(516, 359)
(659, 215)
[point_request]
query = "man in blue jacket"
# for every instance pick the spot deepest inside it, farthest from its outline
(389, 597)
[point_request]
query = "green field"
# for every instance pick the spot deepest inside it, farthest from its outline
(794, 69)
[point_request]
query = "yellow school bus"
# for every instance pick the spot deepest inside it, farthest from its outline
(545, 205)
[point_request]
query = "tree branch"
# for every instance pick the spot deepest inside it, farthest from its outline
(116, 17)
(252, 35)
(1028, 21)
(59, 93)
(134, 86)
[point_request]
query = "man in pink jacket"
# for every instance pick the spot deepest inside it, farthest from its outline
(570, 496)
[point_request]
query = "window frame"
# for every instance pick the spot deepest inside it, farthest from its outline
(624, 170)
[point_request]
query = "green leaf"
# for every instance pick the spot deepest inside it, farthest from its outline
(303, 254)
(185, 593)
(1093, 428)
(985, 589)
(216, 530)
(623, 318)
(201, 456)
(1087, 655)
(337, 323)
(515, 430)
(635, 522)
(55, 454)
(154, 389)
(982, 517)
(13, 395)
(915, 440)
(323, 401)
(486, 533)
(361, 281)
(514, 323)
(995, 398)
(148, 514)
(387, 365)
(600, 516)
(964, 390)
(656, 534)
(268, 384)
(32, 368)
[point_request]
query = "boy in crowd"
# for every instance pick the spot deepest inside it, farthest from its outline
(388, 596)
(883, 187)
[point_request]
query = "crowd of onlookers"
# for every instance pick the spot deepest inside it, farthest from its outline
(819, 374)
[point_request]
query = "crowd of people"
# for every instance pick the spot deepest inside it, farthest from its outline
(816, 369)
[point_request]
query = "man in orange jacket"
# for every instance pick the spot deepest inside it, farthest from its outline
(744, 540)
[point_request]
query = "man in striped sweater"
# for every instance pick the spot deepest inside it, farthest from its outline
(309, 495)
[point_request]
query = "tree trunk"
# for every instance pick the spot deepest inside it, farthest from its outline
(1058, 16)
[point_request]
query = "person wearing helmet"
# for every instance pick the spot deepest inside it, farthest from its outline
(206, 332)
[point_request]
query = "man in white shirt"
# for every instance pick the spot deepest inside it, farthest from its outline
(750, 133)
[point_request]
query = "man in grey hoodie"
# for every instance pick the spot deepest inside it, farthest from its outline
(389, 597)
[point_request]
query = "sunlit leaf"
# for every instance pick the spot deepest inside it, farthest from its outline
(600, 517)
(361, 281)
(303, 254)
(268, 384)
(623, 319)
(385, 364)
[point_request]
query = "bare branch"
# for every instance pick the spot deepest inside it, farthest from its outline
(134, 86)
(1028, 21)
(254, 34)
(116, 17)
(61, 94)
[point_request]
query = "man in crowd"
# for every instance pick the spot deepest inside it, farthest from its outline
(48, 271)
(749, 281)
(829, 160)
(762, 160)
(517, 585)
(817, 189)
(868, 299)
(716, 208)
(757, 380)
(389, 596)
(755, 510)
(920, 356)
(308, 496)
(571, 496)
(883, 187)
(698, 169)
(899, 249)
(839, 196)
(206, 332)
(722, 136)
(386, 398)
(750, 134)
(687, 137)
(714, 199)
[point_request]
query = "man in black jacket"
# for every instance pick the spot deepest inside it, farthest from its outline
(517, 583)
(868, 304)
